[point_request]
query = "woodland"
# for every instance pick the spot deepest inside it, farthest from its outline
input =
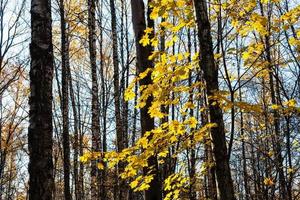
(149, 99)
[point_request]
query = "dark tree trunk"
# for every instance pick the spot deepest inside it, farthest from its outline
(244, 159)
(277, 146)
(122, 189)
(95, 102)
(77, 185)
(147, 123)
(103, 188)
(210, 74)
(65, 101)
(80, 137)
(124, 69)
(40, 129)
(211, 190)
(279, 160)
(192, 151)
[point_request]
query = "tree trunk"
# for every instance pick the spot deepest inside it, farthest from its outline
(122, 191)
(211, 190)
(244, 159)
(77, 185)
(40, 129)
(276, 144)
(103, 173)
(80, 137)
(147, 123)
(192, 151)
(95, 104)
(65, 101)
(210, 74)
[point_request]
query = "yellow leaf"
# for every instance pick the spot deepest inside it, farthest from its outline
(148, 179)
(143, 187)
(173, 139)
(83, 159)
(291, 103)
(129, 95)
(144, 74)
(275, 107)
(100, 166)
(133, 184)
(145, 40)
(192, 122)
(163, 154)
(148, 30)
(268, 182)
(143, 142)
(181, 3)
(291, 170)
(154, 13)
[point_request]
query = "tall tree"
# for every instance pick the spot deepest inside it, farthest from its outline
(95, 99)
(78, 190)
(40, 101)
(117, 98)
(210, 74)
(103, 188)
(147, 123)
(277, 145)
(65, 100)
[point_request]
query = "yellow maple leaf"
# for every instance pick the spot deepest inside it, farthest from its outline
(290, 103)
(145, 40)
(275, 107)
(129, 94)
(134, 184)
(268, 181)
(100, 166)
(143, 142)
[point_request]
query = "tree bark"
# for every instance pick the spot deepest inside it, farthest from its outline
(77, 185)
(142, 54)
(103, 188)
(210, 74)
(40, 129)
(122, 189)
(279, 160)
(80, 137)
(95, 102)
(65, 101)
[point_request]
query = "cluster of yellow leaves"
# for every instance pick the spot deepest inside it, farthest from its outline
(291, 17)
(253, 58)
(141, 183)
(291, 170)
(167, 8)
(223, 99)
(168, 71)
(136, 157)
(206, 166)
(146, 40)
(295, 42)
(88, 156)
(288, 107)
(256, 23)
(174, 185)
(246, 17)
